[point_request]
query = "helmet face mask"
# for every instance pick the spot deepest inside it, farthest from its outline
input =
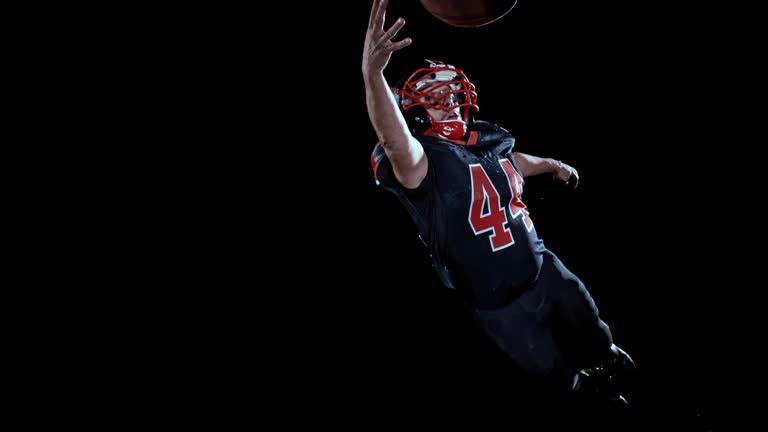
(437, 86)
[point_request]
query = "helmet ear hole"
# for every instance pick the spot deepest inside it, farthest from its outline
(417, 120)
(416, 117)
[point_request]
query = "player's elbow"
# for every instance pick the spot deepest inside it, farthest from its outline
(412, 177)
(394, 144)
(410, 170)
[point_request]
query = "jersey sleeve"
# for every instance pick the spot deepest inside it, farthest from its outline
(507, 148)
(384, 175)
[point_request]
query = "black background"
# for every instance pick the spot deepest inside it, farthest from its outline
(647, 102)
(311, 266)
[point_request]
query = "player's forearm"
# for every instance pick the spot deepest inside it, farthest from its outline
(385, 116)
(403, 150)
(533, 165)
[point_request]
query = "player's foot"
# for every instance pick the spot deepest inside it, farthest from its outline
(599, 390)
(605, 381)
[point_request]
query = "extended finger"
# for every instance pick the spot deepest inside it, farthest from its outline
(374, 8)
(400, 44)
(389, 34)
(378, 12)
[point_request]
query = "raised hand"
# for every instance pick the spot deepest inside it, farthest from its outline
(378, 43)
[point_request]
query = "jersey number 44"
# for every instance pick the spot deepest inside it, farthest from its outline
(486, 212)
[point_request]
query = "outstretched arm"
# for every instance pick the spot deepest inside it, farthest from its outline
(534, 165)
(406, 154)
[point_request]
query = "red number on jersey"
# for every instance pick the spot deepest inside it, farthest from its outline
(485, 196)
(486, 212)
(516, 206)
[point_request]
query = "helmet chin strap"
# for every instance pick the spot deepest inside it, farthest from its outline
(452, 130)
(449, 129)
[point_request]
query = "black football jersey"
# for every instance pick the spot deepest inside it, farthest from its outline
(470, 213)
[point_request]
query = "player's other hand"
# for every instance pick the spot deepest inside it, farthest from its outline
(378, 43)
(566, 174)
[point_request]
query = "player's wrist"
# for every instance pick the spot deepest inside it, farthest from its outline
(557, 165)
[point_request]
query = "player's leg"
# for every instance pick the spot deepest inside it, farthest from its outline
(521, 329)
(586, 339)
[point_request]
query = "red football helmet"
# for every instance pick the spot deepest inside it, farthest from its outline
(438, 86)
